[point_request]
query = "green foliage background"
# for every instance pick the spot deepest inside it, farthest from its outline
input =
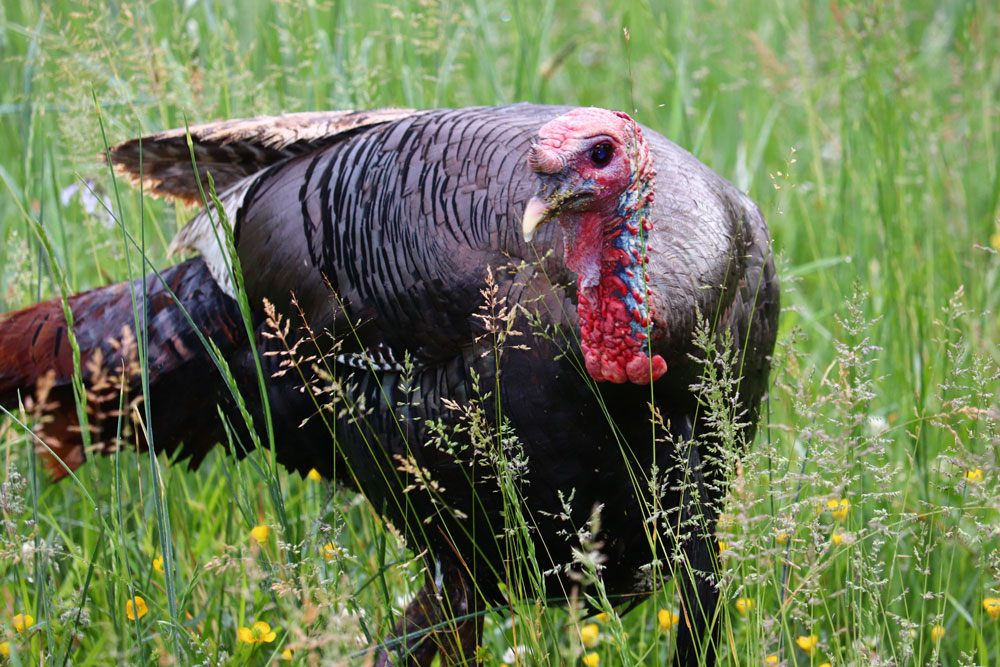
(868, 134)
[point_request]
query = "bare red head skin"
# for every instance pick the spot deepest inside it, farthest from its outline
(597, 181)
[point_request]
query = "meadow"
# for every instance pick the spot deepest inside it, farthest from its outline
(862, 526)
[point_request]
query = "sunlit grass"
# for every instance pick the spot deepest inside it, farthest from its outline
(861, 527)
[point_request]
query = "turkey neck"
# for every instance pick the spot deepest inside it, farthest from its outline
(607, 250)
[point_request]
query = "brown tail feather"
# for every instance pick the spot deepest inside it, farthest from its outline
(234, 149)
(36, 364)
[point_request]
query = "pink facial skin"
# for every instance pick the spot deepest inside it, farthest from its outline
(603, 185)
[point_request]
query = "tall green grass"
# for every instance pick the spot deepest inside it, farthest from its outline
(868, 134)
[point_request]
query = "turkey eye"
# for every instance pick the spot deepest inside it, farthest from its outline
(601, 154)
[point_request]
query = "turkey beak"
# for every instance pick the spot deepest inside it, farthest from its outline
(550, 203)
(536, 214)
(555, 200)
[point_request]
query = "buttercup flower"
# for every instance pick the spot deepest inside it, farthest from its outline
(136, 608)
(259, 633)
(837, 538)
(723, 547)
(743, 605)
(602, 617)
(591, 660)
(992, 607)
(807, 643)
(288, 654)
(781, 537)
(260, 533)
(838, 508)
(158, 564)
(314, 475)
(667, 619)
(330, 550)
(974, 476)
(5, 649)
(937, 633)
(589, 634)
(23, 622)
(771, 660)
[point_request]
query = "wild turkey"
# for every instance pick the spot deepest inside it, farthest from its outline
(398, 246)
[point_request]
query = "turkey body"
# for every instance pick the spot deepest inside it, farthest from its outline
(379, 233)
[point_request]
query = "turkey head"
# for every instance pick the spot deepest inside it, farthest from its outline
(597, 181)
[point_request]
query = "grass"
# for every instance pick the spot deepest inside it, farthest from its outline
(868, 134)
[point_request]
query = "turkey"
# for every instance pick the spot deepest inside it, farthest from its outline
(539, 272)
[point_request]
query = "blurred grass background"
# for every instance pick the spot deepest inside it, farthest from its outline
(868, 134)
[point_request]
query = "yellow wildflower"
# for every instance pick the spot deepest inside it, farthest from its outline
(743, 605)
(136, 608)
(974, 476)
(590, 634)
(771, 660)
(158, 564)
(288, 654)
(937, 633)
(807, 643)
(992, 607)
(837, 538)
(667, 619)
(781, 537)
(825, 664)
(259, 633)
(314, 475)
(5, 649)
(331, 551)
(723, 547)
(23, 622)
(260, 533)
(838, 508)
(602, 617)
(592, 660)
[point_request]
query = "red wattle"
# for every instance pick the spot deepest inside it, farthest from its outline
(642, 370)
(605, 246)
(612, 351)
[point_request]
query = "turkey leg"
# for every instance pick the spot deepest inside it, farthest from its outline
(427, 627)
(697, 631)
